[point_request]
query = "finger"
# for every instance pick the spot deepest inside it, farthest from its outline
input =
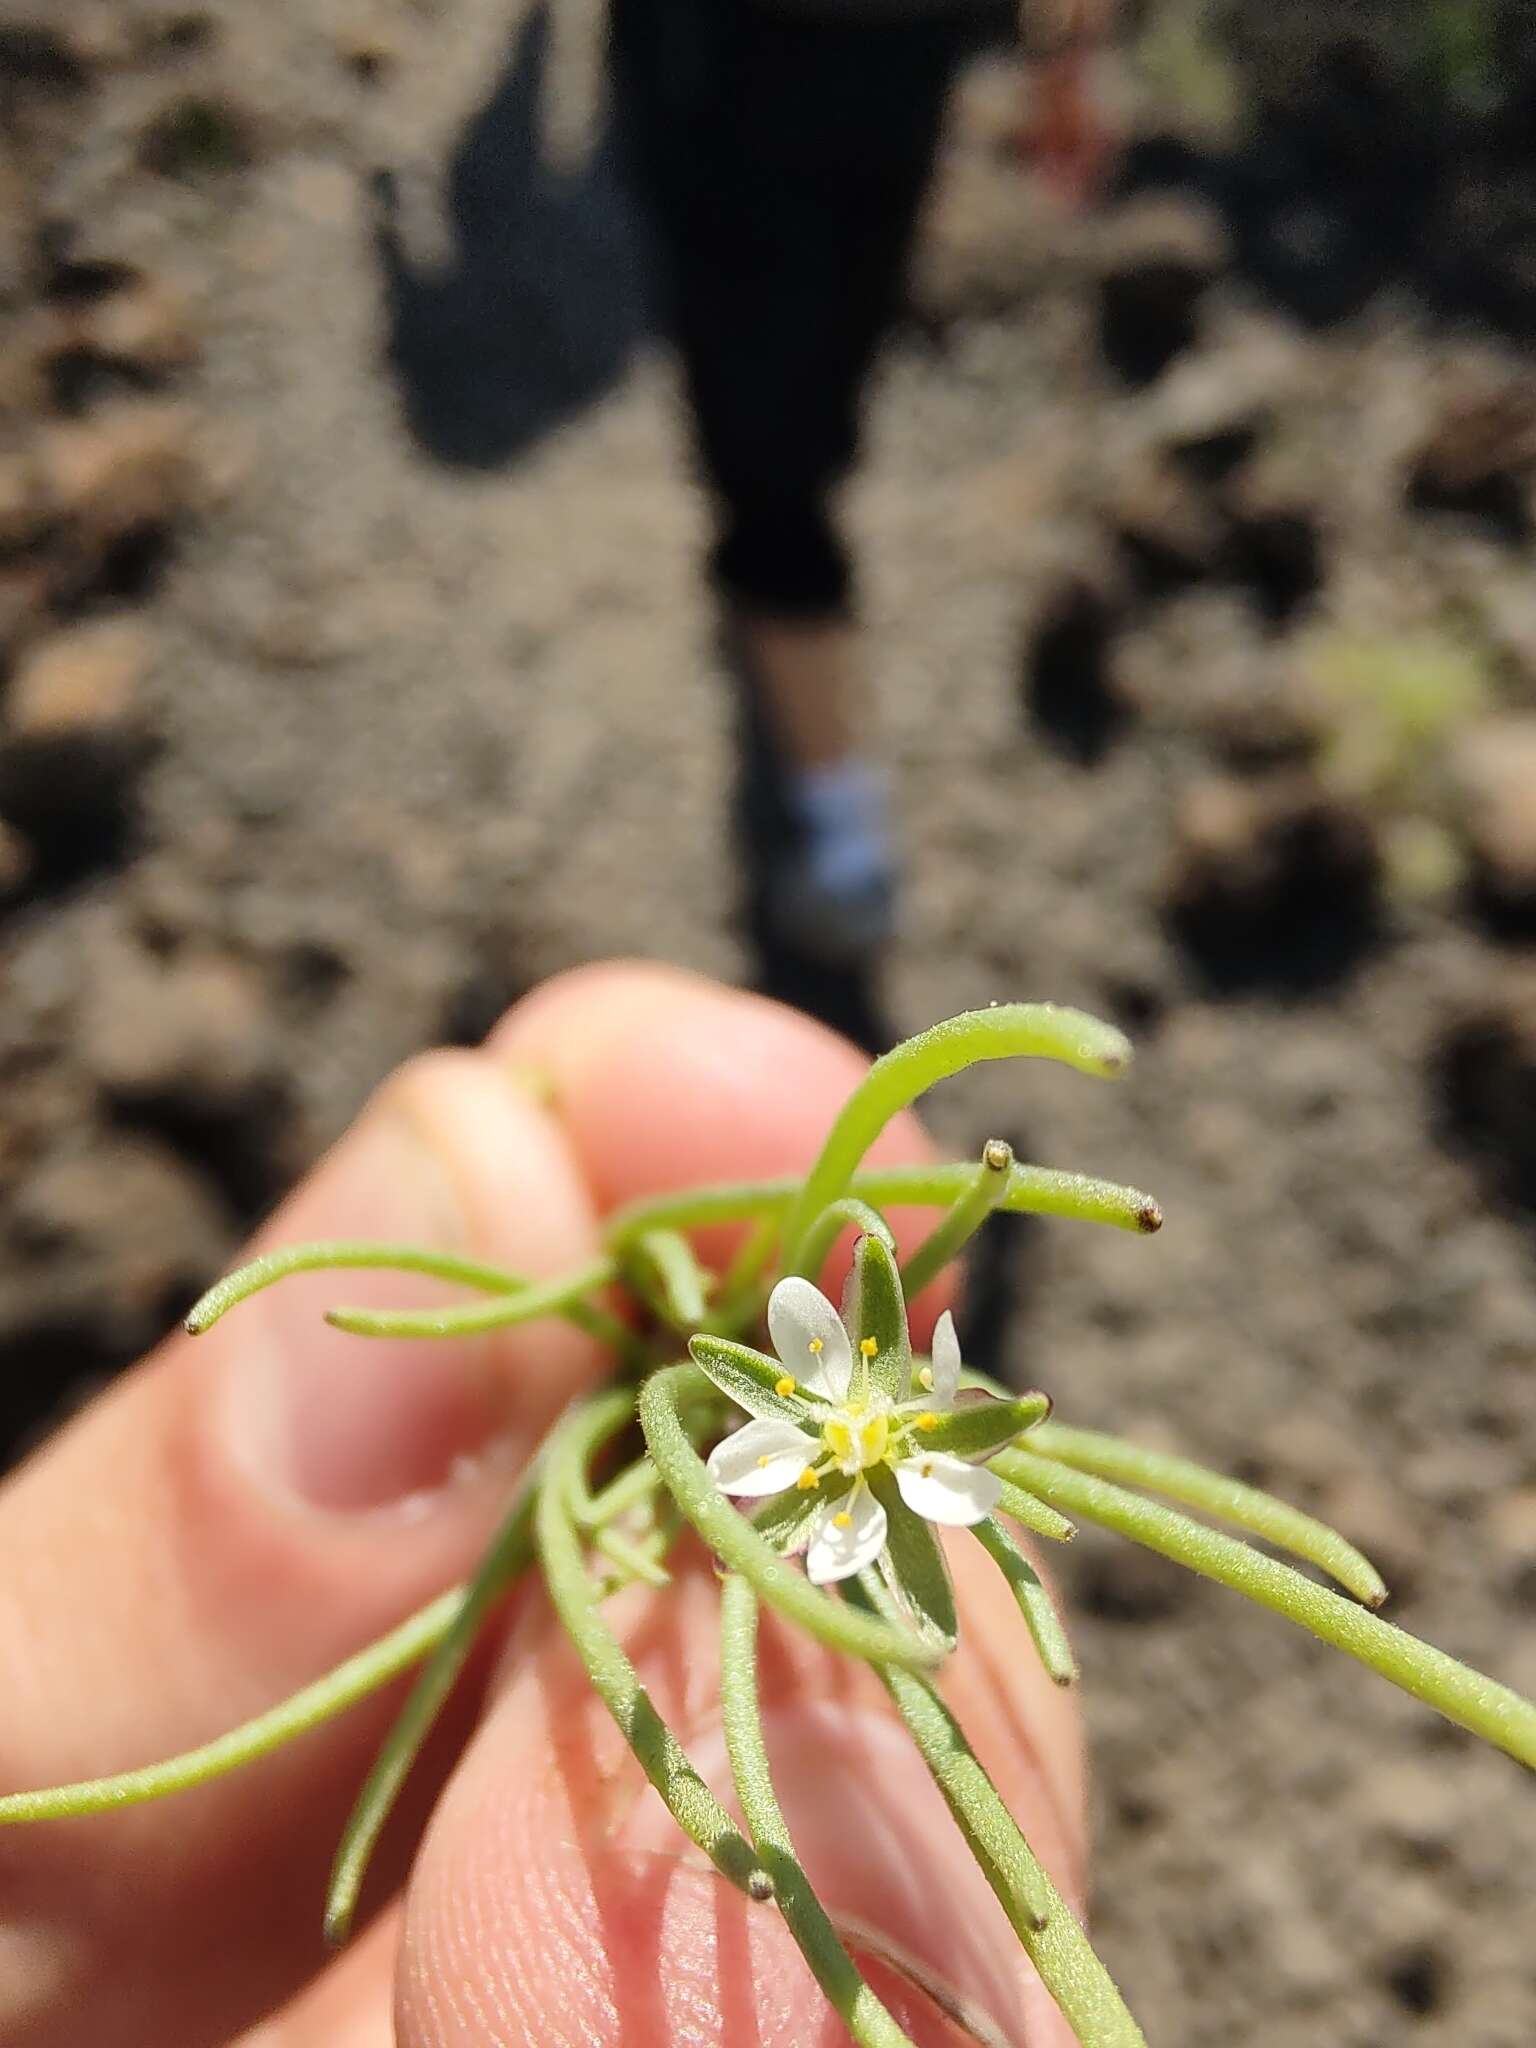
(239, 1514)
(555, 1902)
(664, 1080)
(348, 2004)
(224, 1526)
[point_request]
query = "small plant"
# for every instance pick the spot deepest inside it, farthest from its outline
(853, 1452)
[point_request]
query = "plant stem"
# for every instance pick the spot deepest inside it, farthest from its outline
(854, 2002)
(1032, 1190)
(689, 1800)
(1035, 1516)
(662, 1266)
(829, 1226)
(950, 1236)
(1212, 1493)
(1040, 1616)
(339, 1254)
(899, 1077)
(350, 1682)
(1463, 1695)
(508, 1555)
(733, 1539)
(527, 1305)
(1050, 1931)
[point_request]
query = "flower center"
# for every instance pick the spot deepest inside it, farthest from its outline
(857, 1437)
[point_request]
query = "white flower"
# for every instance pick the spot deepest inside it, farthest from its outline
(841, 1430)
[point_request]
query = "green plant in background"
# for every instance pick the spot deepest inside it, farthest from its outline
(853, 1452)
(1385, 710)
(1458, 50)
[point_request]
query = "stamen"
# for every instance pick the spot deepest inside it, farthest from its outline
(868, 1346)
(842, 1519)
(815, 1347)
(784, 1386)
(925, 1379)
(927, 1420)
(809, 1479)
(763, 1463)
(926, 1468)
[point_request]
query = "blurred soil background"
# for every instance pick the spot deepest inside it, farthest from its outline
(357, 675)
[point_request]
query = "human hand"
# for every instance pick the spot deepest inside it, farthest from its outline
(233, 1517)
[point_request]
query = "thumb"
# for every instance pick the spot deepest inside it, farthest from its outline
(556, 1901)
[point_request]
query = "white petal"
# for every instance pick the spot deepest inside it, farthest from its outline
(809, 1337)
(945, 1489)
(946, 1361)
(764, 1457)
(837, 1553)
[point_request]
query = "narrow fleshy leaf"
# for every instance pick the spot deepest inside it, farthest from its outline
(689, 1800)
(881, 1313)
(1213, 1493)
(747, 1378)
(808, 1334)
(678, 1283)
(509, 1554)
(899, 1077)
(340, 1689)
(1034, 1515)
(867, 2021)
(785, 1521)
(914, 1565)
(980, 1427)
(1040, 1616)
(849, 1213)
(1050, 1931)
(1465, 1696)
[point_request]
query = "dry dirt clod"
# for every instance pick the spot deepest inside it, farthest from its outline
(81, 681)
(1275, 882)
(129, 465)
(1159, 259)
(144, 325)
(1493, 768)
(1477, 460)
(74, 746)
(1169, 530)
(1484, 1072)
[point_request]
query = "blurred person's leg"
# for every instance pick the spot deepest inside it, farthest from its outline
(785, 149)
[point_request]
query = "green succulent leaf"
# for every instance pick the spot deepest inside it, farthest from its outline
(784, 1520)
(879, 1311)
(983, 1426)
(748, 1378)
(913, 1565)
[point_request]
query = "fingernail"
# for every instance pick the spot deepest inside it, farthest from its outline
(883, 1852)
(346, 1423)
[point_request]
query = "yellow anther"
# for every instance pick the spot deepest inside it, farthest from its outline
(785, 1385)
(927, 1420)
(925, 1379)
(808, 1480)
(868, 1346)
(815, 1347)
(842, 1519)
(926, 1468)
(763, 1463)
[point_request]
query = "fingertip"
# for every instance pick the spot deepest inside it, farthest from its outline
(666, 1080)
